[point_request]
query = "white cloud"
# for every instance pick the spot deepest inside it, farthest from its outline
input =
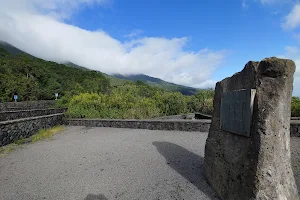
(294, 54)
(297, 36)
(134, 33)
(59, 9)
(292, 20)
(269, 2)
(206, 84)
(39, 33)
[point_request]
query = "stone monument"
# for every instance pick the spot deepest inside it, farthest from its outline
(247, 152)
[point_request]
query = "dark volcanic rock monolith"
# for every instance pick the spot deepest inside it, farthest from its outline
(258, 166)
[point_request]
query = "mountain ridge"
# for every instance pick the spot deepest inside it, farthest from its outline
(12, 49)
(159, 83)
(117, 79)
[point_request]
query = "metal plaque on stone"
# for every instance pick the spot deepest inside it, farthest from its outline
(236, 111)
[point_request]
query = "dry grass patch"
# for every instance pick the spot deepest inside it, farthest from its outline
(46, 133)
(6, 149)
(41, 135)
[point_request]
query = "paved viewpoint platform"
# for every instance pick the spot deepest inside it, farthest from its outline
(107, 163)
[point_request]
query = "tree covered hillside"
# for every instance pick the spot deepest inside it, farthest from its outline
(115, 79)
(171, 87)
(89, 94)
(34, 79)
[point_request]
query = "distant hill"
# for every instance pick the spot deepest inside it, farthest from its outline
(11, 49)
(32, 78)
(116, 79)
(159, 83)
(75, 66)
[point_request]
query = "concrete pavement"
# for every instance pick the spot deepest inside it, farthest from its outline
(107, 163)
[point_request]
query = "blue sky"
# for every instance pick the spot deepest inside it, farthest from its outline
(247, 33)
(189, 42)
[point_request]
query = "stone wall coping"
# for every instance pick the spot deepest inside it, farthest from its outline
(28, 119)
(12, 102)
(295, 122)
(31, 110)
(174, 125)
(181, 116)
(25, 105)
(206, 121)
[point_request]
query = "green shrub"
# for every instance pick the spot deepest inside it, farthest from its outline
(135, 101)
(295, 107)
(113, 106)
(202, 102)
(171, 103)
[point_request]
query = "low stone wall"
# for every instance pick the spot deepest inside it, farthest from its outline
(11, 115)
(26, 105)
(178, 125)
(11, 131)
(176, 117)
(189, 116)
(295, 128)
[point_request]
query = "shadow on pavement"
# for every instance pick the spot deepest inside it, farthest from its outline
(95, 197)
(187, 164)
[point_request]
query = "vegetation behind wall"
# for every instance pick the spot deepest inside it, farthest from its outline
(295, 107)
(136, 101)
(89, 94)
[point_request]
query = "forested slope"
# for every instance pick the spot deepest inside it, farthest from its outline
(34, 79)
(171, 87)
(89, 94)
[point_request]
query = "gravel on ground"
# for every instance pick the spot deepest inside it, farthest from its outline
(295, 151)
(107, 163)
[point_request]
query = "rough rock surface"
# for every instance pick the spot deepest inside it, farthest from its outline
(11, 131)
(159, 124)
(26, 105)
(259, 167)
(11, 115)
(178, 125)
(295, 128)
